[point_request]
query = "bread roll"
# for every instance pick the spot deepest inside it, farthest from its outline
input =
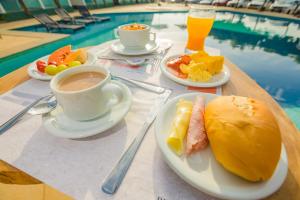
(244, 136)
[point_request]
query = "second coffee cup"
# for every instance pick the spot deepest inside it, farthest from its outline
(135, 36)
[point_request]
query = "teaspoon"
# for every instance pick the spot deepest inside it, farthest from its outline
(43, 108)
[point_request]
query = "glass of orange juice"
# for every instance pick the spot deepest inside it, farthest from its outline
(199, 24)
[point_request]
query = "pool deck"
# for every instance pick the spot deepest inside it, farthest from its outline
(23, 40)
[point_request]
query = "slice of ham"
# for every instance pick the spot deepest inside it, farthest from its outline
(196, 136)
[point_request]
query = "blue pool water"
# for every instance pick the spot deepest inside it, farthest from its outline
(266, 48)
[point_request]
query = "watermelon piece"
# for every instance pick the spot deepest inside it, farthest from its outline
(79, 55)
(60, 55)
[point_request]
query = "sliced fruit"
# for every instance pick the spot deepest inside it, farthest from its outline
(185, 59)
(79, 55)
(51, 70)
(74, 63)
(52, 63)
(215, 64)
(41, 65)
(61, 67)
(174, 63)
(60, 55)
(199, 75)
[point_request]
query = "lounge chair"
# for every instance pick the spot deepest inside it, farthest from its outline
(85, 13)
(237, 3)
(219, 2)
(257, 4)
(285, 6)
(296, 12)
(64, 15)
(205, 2)
(49, 23)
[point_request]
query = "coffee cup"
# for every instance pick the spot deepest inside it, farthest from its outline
(135, 36)
(85, 92)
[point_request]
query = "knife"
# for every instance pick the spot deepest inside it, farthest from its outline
(114, 179)
(146, 86)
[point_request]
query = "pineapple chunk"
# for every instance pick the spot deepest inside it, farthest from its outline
(199, 75)
(214, 64)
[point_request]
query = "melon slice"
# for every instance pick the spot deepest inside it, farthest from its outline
(60, 55)
(79, 55)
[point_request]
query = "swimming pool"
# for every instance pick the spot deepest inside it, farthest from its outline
(266, 48)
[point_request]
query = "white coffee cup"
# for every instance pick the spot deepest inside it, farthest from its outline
(88, 103)
(135, 39)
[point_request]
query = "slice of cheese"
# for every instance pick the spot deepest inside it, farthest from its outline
(180, 126)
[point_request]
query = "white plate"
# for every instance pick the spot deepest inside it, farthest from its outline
(34, 73)
(202, 171)
(118, 48)
(216, 80)
(58, 124)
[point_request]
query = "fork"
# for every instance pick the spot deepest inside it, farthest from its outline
(159, 58)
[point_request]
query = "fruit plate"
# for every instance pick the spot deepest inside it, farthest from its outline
(34, 73)
(202, 171)
(216, 80)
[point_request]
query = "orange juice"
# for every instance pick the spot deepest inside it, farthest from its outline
(198, 29)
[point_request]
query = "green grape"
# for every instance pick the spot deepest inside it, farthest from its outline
(61, 67)
(51, 70)
(74, 63)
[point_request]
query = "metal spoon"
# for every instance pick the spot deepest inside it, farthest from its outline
(43, 108)
(12, 121)
(131, 61)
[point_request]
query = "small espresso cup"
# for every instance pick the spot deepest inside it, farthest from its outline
(89, 103)
(135, 38)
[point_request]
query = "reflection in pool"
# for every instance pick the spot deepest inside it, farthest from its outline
(266, 48)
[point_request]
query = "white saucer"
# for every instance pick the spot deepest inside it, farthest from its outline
(34, 73)
(58, 124)
(217, 80)
(202, 171)
(118, 48)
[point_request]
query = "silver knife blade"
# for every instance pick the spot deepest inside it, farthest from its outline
(114, 179)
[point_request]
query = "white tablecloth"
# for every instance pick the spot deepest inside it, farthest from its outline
(78, 167)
